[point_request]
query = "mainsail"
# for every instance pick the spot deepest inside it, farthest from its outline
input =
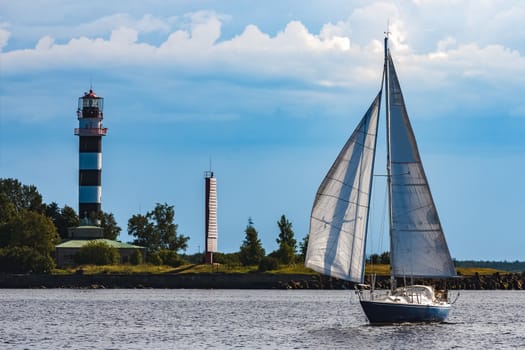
(418, 246)
(338, 223)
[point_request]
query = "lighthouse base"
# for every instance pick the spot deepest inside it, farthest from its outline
(85, 232)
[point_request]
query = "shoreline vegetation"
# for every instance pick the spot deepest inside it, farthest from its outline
(32, 232)
(203, 276)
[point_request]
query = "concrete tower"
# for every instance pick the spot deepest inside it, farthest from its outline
(90, 132)
(211, 217)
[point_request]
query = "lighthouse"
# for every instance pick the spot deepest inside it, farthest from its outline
(90, 131)
(210, 217)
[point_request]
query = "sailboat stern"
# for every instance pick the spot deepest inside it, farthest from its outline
(414, 303)
(379, 312)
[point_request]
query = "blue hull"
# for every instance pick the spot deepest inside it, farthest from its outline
(378, 312)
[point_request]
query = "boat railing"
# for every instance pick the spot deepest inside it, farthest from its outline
(455, 299)
(366, 292)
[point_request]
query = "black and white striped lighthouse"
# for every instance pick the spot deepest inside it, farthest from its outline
(90, 132)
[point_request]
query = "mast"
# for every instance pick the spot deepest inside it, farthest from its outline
(388, 160)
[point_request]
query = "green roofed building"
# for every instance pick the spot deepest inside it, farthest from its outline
(66, 251)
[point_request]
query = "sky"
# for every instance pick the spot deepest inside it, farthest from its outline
(265, 94)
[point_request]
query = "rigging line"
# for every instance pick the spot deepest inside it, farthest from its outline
(342, 199)
(377, 246)
(412, 162)
(421, 207)
(339, 227)
(369, 236)
(345, 184)
(366, 132)
(383, 218)
(417, 230)
(362, 145)
(409, 184)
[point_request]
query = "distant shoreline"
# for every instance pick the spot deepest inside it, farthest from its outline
(510, 281)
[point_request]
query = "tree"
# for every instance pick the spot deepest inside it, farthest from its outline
(230, 259)
(97, 253)
(384, 258)
(110, 228)
(136, 257)
(33, 230)
(163, 216)
(374, 259)
(23, 260)
(53, 211)
(62, 218)
(7, 214)
(156, 230)
(27, 236)
(268, 263)
(251, 252)
(28, 241)
(140, 227)
(303, 246)
(154, 258)
(22, 196)
(170, 258)
(69, 218)
(287, 243)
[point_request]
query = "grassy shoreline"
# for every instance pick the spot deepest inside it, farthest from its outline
(296, 269)
(202, 276)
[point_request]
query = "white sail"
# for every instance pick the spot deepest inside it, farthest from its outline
(418, 246)
(336, 244)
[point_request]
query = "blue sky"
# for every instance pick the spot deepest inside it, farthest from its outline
(269, 91)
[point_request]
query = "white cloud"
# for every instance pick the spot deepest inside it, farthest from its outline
(340, 29)
(123, 37)
(4, 36)
(116, 38)
(492, 63)
(45, 43)
(199, 47)
(446, 43)
(205, 29)
(149, 23)
(345, 53)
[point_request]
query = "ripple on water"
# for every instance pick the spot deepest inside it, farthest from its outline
(257, 319)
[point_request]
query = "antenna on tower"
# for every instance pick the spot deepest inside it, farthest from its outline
(387, 28)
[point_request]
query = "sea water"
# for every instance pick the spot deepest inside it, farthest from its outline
(251, 319)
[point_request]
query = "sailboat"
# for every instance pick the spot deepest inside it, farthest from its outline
(340, 215)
